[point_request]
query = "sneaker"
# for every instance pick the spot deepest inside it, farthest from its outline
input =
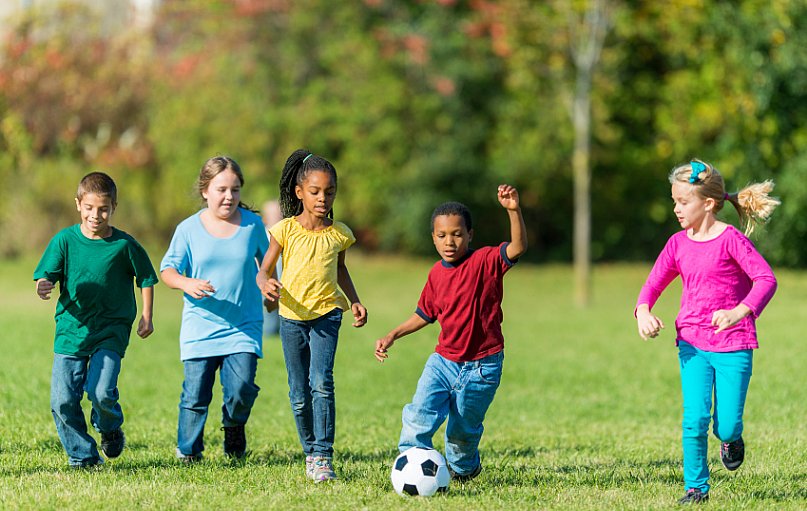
(188, 459)
(91, 464)
(235, 441)
(462, 478)
(112, 443)
(323, 470)
(309, 467)
(732, 454)
(693, 496)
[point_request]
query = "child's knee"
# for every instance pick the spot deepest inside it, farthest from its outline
(102, 395)
(695, 426)
(728, 432)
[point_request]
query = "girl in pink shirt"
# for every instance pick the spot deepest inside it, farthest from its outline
(726, 285)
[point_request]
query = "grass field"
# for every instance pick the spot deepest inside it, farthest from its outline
(587, 416)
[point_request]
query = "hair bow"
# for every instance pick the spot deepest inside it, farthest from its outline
(697, 168)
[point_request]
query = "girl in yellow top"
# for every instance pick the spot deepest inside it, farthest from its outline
(311, 303)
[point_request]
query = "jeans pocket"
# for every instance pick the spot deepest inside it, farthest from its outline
(490, 373)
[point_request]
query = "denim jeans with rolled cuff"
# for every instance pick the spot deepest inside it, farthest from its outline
(461, 391)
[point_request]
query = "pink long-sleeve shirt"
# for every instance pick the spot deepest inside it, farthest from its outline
(716, 274)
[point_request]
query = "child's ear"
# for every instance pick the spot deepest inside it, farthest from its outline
(299, 192)
(470, 235)
(78, 205)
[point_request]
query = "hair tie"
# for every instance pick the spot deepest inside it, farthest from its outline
(726, 196)
(307, 157)
(697, 168)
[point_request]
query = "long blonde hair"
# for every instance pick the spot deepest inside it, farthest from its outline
(753, 203)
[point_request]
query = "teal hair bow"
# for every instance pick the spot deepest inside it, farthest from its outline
(697, 168)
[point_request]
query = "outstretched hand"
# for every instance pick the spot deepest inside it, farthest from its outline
(381, 347)
(508, 197)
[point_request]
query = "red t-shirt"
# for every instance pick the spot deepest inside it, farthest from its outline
(466, 299)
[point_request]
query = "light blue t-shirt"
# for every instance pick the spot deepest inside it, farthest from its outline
(231, 320)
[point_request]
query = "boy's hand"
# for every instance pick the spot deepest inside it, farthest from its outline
(381, 347)
(145, 327)
(649, 324)
(198, 288)
(508, 197)
(271, 289)
(43, 288)
(359, 314)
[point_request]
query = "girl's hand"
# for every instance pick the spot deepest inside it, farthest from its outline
(359, 314)
(508, 197)
(271, 289)
(197, 288)
(724, 319)
(649, 324)
(43, 288)
(381, 347)
(145, 327)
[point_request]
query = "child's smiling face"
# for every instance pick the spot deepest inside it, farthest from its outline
(451, 237)
(95, 211)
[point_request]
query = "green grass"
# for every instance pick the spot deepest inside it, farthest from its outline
(587, 416)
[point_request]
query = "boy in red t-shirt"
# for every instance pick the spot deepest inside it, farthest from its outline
(464, 294)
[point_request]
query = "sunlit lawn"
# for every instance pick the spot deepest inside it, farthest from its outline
(587, 416)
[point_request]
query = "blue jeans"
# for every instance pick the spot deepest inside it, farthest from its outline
(702, 373)
(462, 391)
(71, 377)
(309, 348)
(237, 374)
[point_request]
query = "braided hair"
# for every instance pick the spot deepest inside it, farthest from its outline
(297, 167)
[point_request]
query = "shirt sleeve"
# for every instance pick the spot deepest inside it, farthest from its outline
(145, 276)
(279, 231)
(51, 265)
(178, 254)
(348, 239)
(762, 278)
(664, 271)
(427, 308)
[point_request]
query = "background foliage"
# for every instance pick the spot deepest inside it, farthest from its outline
(415, 102)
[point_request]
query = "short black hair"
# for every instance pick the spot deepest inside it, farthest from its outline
(453, 208)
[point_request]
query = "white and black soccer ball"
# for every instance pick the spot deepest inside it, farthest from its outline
(419, 471)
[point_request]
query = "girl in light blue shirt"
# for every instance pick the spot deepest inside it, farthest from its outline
(213, 258)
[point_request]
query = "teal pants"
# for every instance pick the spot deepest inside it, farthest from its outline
(706, 375)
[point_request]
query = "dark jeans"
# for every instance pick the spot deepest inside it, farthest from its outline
(309, 348)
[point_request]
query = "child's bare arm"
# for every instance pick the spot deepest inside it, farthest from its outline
(346, 283)
(266, 278)
(508, 198)
(411, 325)
(145, 327)
(196, 288)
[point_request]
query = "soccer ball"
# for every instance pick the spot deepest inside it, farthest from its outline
(420, 471)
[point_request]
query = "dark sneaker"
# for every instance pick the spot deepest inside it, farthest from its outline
(693, 496)
(188, 459)
(462, 478)
(112, 443)
(732, 454)
(235, 441)
(92, 464)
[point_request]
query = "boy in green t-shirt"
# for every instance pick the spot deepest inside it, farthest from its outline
(94, 264)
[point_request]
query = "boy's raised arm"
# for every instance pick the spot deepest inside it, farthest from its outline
(508, 198)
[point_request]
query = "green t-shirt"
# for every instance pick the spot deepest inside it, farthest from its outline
(97, 304)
